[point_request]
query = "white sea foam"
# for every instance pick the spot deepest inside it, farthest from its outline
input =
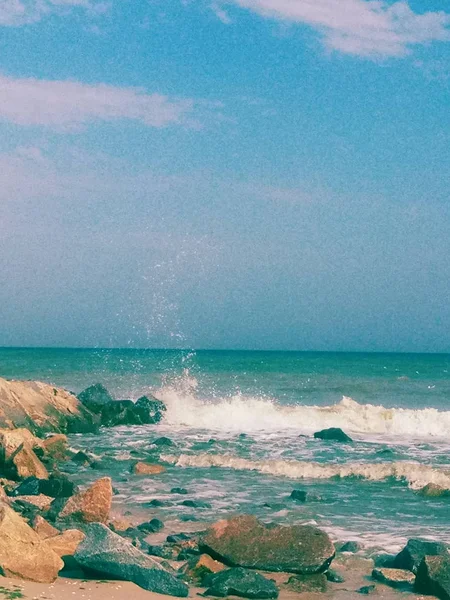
(415, 474)
(241, 413)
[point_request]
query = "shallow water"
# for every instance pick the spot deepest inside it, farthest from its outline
(242, 423)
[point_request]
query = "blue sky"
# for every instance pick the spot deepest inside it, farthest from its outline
(225, 173)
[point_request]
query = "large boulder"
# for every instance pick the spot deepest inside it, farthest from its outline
(24, 463)
(56, 486)
(412, 554)
(334, 434)
(91, 506)
(433, 577)
(109, 554)
(56, 447)
(246, 542)
(23, 554)
(148, 410)
(95, 397)
(240, 582)
(66, 543)
(42, 409)
(396, 578)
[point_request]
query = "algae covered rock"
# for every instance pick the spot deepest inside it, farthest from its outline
(240, 582)
(245, 541)
(433, 577)
(412, 554)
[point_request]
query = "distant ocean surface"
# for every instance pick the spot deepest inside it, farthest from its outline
(243, 422)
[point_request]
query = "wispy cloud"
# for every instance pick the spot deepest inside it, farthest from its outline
(21, 12)
(373, 28)
(70, 105)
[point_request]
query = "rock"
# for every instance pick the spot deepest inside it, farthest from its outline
(334, 577)
(43, 528)
(240, 582)
(305, 496)
(333, 434)
(199, 567)
(92, 505)
(431, 490)
(41, 502)
(178, 538)
(384, 561)
(367, 589)
(245, 541)
(11, 440)
(117, 412)
(28, 487)
(166, 552)
(397, 578)
(148, 411)
(105, 552)
(412, 554)
(351, 546)
(163, 441)
(308, 583)
(56, 447)
(42, 409)
(95, 397)
(57, 486)
(25, 464)
(83, 459)
(66, 543)
(142, 468)
(433, 577)
(152, 526)
(179, 490)
(154, 503)
(196, 504)
(23, 554)
(120, 525)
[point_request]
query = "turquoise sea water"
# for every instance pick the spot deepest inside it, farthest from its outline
(243, 422)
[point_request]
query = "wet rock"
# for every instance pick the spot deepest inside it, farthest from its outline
(95, 397)
(117, 412)
(351, 546)
(179, 490)
(245, 541)
(83, 459)
(163, 441)
(412, 554)
(178, 538)
(66, 543)
(56, 447)
(42, 409)
(305, 496)
(431, 490)
(367, 589)
(196, 504)
(199, 567)
(397, 578)
(57, 486)
(154, 504)
(143, 468)
(308, 583)
(384, 561)
(334, 576)
(105, 552)
(92, 505)
(28, 487)
(333, 434)
(240, 582)
(43, 528)
(23, 554)
(152, 526)
(148, 410)
(433, 577)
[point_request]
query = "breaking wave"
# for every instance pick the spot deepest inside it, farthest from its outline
(242, 413)
(415, 474)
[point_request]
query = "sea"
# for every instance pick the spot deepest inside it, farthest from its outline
(242, 426)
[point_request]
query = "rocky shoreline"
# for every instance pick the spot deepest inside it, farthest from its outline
(50, 528)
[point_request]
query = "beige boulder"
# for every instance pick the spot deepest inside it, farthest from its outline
(93, 505)
(25, 464)
(43, 528)
(66, 543)
(142, 468)
(23, 554)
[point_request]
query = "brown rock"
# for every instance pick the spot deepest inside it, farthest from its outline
(397, 578)
(42, 408)
(41, 501)
(432, 490)
(201, 566)
(92, 505)
(43, 528)
(23, 554)
(26, 464)
(246, 542)
(66, 543)
(308, 583)
(12, 440)
(142, 468)
(56, 447)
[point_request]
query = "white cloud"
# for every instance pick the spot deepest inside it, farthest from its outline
(20, 12)
(69, 105)
(360, 27)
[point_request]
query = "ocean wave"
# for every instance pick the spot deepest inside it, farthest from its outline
(242, 413)
(415, 474)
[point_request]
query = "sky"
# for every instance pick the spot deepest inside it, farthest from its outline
(261, 174)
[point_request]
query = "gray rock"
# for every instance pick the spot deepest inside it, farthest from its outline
(396, 578)
(179, 490)
(246, 542)
(240, 582)
(433, 577)
(163, 441)
(107, 553)
(334, 434)
(95, 396)
(304, 496)
(367, 589)
(152, 526)
(334, 577)
(384, 561)
(351, 546)
(412, 554)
